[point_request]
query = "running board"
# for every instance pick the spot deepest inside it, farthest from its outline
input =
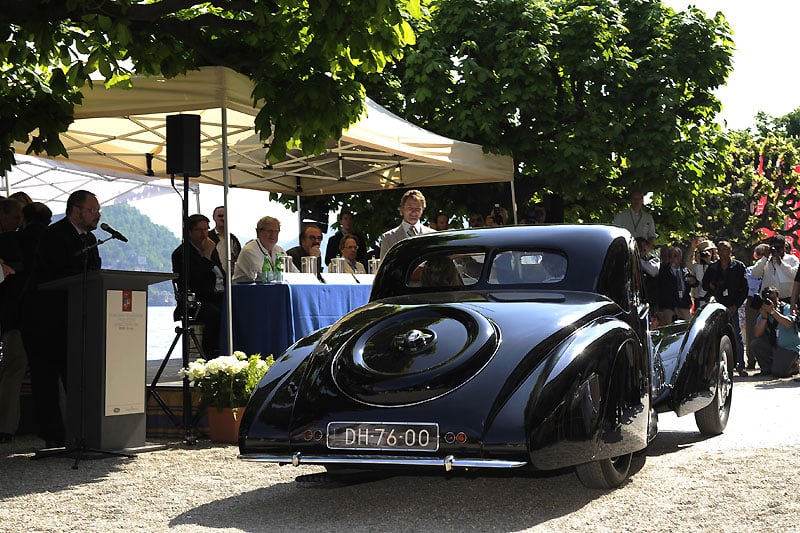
(448, 462)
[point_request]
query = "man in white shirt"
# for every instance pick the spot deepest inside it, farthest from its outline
(776, 268)
(264, 247)
(218, 236)
(636, 220)
(412, 205)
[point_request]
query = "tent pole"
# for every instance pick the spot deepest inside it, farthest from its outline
(514, 201)
(228, 265)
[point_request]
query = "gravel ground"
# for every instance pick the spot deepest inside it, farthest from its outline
(744, 480)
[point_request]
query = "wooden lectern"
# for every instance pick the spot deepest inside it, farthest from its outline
(106, 357)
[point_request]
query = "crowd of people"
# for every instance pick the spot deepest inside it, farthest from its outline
(761, 299)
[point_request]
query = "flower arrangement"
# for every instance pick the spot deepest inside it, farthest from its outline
(227, 381)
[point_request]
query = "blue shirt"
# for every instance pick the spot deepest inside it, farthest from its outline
(787, 337)
(753, 284)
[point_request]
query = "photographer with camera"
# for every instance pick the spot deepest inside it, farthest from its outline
(776, 344)
(497, 217)
(725, 280)
(775, 267)
(704, 255)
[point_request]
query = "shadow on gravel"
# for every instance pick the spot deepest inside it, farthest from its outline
(778, 383)
(400, 502)
(52, 474)
(21, 474)
(673, 441)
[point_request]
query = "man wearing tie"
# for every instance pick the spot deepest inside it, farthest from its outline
(66, 248)
(412, 205)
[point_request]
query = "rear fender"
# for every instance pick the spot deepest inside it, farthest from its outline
(587, 401)
(268, 414)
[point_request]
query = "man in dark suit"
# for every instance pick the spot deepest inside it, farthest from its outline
(205, 279)
(66, 248)
(310, 241)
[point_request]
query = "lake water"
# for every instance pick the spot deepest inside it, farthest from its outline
(161, 333)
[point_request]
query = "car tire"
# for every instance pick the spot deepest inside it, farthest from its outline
(712, 419)
(605, 473)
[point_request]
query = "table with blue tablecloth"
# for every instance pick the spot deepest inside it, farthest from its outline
(269, 318)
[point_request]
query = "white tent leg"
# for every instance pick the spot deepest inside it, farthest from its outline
(514, 202)
(227, 258)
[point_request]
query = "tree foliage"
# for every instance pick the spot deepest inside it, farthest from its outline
(590, 98)
(302, 56)
(760, 192)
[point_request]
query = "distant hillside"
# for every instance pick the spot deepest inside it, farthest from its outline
(149, 247)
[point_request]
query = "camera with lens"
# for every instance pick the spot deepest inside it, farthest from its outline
(757, 300)
(497, 215)
(192, 305)
(766, 296)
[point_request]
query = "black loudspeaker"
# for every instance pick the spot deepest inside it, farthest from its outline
(183, 145)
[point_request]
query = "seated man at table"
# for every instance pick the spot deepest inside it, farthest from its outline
(264, 247)
(205, 279)
(348, 248)
(310, 241)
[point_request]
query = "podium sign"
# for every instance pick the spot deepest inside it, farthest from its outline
(126, 321)
(107, 357)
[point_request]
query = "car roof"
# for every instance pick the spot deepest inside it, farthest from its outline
(586, 247)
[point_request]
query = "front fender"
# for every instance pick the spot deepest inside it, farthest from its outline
(695, 377)
(588, 400)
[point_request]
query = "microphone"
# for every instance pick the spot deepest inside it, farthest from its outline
(114, 233)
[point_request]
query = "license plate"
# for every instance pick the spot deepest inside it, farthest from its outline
(406, 436)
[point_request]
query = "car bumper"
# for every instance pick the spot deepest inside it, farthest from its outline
(448, 463)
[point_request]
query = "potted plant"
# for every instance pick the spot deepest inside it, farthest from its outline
(225, 385)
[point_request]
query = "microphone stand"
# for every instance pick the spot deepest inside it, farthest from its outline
(80, 449)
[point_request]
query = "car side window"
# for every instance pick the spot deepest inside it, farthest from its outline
(528, 266)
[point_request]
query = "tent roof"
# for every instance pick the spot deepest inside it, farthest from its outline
(122, 132)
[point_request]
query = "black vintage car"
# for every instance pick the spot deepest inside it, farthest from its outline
(498, 348)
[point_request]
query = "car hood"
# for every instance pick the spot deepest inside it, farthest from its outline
(412, 349)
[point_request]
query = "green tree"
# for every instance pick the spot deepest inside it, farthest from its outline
(760, 190)
(589, 97)
(302, 56)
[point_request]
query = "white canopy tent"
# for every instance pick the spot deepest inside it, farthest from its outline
(122, 133)
(119, 136)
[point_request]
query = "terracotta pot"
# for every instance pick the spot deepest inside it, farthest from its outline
(223, 424)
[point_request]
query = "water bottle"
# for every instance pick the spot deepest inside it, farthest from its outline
(266, 270)
(278, 278)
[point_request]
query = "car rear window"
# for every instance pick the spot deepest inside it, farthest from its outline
(530, 266)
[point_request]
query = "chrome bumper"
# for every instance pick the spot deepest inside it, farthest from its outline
(448, 463)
